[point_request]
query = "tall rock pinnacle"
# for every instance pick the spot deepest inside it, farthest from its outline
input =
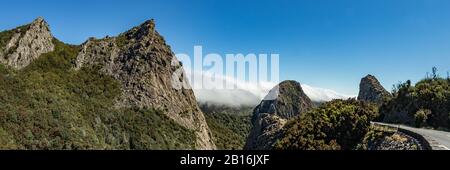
(144, 64)
(370, 90)
(283, 102)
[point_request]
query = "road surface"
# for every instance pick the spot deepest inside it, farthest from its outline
(439, 140)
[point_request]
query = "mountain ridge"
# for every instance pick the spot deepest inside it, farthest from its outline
(139, 59)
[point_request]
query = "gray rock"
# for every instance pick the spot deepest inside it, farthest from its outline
(284, 102)
(27, 44)
(370, 90)
(396, 141)
(144, 65)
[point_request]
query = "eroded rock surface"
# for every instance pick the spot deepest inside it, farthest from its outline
(26, 44)
(285, 101)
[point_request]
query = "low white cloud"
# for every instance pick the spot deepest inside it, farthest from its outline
(249, 93)
(321, 95)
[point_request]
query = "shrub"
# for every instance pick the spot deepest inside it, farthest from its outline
(339, 124)
(421, 117)
(431, 93)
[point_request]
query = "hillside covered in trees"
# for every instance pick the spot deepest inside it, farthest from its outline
(427, 103)
(59, 96)
(48, 105)
(229, 125)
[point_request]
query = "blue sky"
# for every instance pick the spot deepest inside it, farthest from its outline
(322, 43)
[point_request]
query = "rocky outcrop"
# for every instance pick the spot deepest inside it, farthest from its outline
(27, 43)
(283, 102)
(145, 65)
(395, 141)
(370, 90)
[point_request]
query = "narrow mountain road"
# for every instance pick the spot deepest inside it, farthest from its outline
(439, 140)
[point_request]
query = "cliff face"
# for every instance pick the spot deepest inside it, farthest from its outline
(139, 60)
(26, 44)
(145, 66)
(370, 90)
(283, 102)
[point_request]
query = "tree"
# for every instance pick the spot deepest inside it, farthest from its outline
(408, 83)
(434, 72)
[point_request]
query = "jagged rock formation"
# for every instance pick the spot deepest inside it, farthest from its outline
(145, 65)
(26, 44)
(138, 59)
(283, 102)
(371, 90)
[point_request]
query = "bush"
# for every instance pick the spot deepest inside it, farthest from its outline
(421, 117)
(431, 93)
(339, 124)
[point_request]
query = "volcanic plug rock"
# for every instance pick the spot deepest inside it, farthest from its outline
(26, 44)
(283, 102)
(145, 66)
(370, 90)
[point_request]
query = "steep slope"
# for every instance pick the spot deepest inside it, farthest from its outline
(371, 90)
(113, 93)
(20, 46)
(145, 65)
(283, 102)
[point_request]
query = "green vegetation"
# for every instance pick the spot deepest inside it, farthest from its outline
(373, 137)
(346, 124)
(229, 125)
(5, 36)
(386, 138)
(421, 117)
(49, 105)
(339, 124)
(425, 104)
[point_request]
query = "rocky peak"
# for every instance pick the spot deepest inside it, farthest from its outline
(283, 102)
(26, 43)
(371, 90)
(146, 29)
(144, 64)
(286, 100)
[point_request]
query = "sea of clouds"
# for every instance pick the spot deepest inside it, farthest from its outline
(248, 93)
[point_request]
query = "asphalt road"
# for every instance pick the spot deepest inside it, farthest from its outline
(439, 140)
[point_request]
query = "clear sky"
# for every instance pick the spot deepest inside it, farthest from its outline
(323, 43)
